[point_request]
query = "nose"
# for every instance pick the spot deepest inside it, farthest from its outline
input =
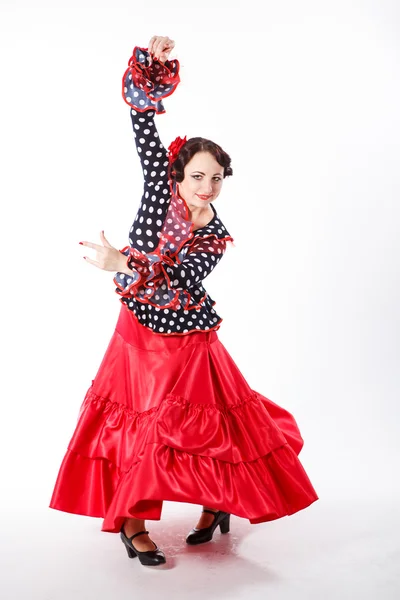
(207, 189)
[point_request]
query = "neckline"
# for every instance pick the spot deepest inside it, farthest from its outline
(175, 192)
(207, 224)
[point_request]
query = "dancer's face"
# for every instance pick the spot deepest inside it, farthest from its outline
(202, 182)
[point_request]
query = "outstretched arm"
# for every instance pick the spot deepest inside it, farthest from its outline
(150, 69)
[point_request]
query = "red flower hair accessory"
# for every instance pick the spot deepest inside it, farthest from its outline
(174, 148)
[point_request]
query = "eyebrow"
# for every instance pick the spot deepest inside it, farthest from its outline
(201, 173)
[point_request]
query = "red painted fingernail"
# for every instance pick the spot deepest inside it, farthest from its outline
(84, 257)
(81, 243)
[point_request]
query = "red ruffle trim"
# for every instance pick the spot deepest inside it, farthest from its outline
(144, 85)
(129, 462)
(149, 274)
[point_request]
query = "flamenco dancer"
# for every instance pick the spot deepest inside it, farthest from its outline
(169, 416)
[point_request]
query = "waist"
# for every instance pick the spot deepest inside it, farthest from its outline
(143, 337)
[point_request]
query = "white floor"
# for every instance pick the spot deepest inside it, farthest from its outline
(329, 551)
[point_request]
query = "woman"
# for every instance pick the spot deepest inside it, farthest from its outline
(169, 416)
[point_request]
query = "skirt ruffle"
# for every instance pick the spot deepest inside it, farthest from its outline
(172, 418)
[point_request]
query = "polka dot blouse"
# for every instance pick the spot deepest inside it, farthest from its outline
(168, 259)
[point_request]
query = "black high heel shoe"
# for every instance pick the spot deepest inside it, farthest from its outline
(199, 536)
(148, 558)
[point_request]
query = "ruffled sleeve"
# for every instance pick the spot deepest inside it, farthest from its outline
(166, 281)
(147, 81)
(148, 282)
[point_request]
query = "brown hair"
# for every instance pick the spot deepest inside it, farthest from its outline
(199, 144)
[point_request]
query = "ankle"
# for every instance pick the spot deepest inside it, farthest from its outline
(135, 524)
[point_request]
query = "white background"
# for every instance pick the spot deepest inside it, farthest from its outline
(305, 98)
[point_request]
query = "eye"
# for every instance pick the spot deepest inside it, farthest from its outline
(217, 178)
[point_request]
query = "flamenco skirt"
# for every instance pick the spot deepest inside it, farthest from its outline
(172, 418)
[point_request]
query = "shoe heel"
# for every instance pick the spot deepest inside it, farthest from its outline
(224, 525)
(131, 553)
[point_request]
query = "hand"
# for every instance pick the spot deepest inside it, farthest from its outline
(108, 258)
(160, 47)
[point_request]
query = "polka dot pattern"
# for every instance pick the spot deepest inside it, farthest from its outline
(144, 86)
(169, 260)
(151, 213)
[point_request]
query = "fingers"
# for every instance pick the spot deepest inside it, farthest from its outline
(91, 245)
(165, 53)
(92, 262)
(96, 246)
(108, 257)
(161, 46)
(166, 45)
(104, 240)
(151, 44)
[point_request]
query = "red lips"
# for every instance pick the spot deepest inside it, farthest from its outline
(204, 197)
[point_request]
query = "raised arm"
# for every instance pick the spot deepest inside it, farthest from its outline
(148, 79)
(152, 154)
(163, 269)
(149, 219)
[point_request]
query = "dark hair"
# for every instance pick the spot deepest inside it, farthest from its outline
(199, 144)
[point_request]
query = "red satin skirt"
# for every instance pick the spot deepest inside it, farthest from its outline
(172, 418)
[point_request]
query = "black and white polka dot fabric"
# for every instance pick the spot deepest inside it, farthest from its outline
(146, 83)
(168, 258)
